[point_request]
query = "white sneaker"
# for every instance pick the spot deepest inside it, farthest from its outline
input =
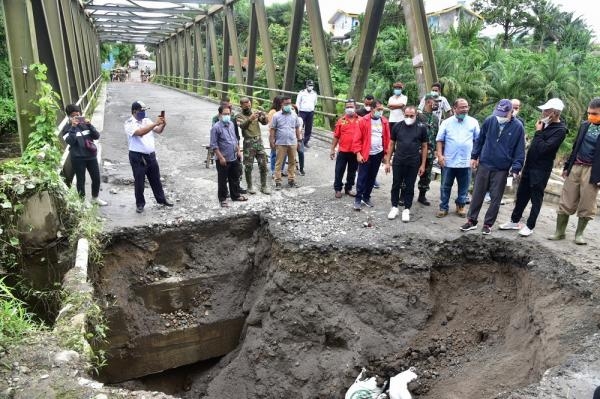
(525, 231)
(510, 226)
(393, 213)
(99, 202)
(406, 215)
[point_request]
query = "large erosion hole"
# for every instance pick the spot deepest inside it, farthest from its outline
(226, 310)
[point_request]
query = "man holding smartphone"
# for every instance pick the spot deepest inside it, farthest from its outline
(142, 157)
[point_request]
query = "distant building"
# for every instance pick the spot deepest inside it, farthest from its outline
(341, 24)
(442, 20)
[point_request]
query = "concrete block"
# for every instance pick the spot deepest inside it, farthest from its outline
(39, 221)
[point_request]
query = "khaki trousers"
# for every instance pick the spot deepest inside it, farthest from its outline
(578, 194)
(282, 151)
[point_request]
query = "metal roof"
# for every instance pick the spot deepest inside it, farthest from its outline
(143, 21)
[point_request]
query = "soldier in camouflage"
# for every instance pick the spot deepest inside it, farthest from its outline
(248, 121)
(429, 118)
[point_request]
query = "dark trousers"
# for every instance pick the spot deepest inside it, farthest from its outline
(367, 173)
(486, 180)
(307, 118)
(145, 165)
(531, 187)
(80, 165)
(229, 173)
(345, 160)
(404, 176)
(425, 178)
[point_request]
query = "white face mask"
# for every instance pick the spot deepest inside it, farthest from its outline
(515, 112)
(546, 120)
(502, 119)
(410, 121)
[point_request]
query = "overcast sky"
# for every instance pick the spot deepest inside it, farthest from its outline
(579, 7)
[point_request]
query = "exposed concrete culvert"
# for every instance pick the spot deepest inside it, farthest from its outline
(478, 319)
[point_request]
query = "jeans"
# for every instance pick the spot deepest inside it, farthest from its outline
(531, 187)
(404, 176)
(463, 176)
(79, 167)
(486, 180)
(367, 173)
(145, 165)
(229, 173)
(345, 160)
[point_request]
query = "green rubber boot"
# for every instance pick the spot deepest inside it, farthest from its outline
(581, 223)
(263, 183)
(250, 189)
(561, 226)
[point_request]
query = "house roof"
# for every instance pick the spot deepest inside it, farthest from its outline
(453, 8)
(340, 13)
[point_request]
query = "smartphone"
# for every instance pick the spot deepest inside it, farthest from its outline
(162, 114)
(80, 119)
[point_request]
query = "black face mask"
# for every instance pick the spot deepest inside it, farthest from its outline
(246, 111)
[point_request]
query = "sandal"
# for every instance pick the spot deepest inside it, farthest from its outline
(224, 204)
(240, 198)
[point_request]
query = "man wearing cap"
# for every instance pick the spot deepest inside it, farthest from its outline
(345, 161)
(396, 104)
(306, 102)
(454, 143)
(428, 118)
(582, 177)
(550, 132)
(500, 150)
(140, 137)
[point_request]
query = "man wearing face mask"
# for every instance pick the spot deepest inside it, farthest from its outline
(428, 118)
(370, 145)
(443, 108)
(284, 135)
(454, 143)
(142, 157)
(345, 130)
(306, 102)
(408, 143)
(396, 104)
(582, 177)
(248, 121)
(368, 105)
(499, 150)
(550, 132)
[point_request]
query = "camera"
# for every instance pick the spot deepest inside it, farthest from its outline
(80, 119)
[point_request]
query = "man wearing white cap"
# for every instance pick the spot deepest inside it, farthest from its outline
(550, 132)
(582, 177)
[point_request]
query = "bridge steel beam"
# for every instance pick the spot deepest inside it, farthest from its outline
(366, 46)
(252, 36)
(321, 57)
(77, 86)
(263, 31)
(225, 59)
(235, 50)
(173, 52)
(289, 76)
(181, 57)
(199, 67)
(214, 50)
(189, 58)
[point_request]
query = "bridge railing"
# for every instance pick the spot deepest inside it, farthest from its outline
(208, 87)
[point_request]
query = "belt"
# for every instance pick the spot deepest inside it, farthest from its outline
(142, 153)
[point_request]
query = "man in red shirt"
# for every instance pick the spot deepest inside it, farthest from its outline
(345, 130)
(370, 145)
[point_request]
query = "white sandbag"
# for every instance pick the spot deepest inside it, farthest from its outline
(399, 384)
(363, 388)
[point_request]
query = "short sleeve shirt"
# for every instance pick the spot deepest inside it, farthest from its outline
(397, 115)
(458, 138)
(376, 136)
(408, 141)
(143, 144)
(285, 125)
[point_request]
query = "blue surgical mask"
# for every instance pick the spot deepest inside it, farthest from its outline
(287, 108)
(140, 115)
(377, 114)
(226, 118)
(397, 92)
(461, 117)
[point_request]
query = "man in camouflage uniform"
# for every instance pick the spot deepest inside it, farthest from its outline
(429, 118)
(248, 121)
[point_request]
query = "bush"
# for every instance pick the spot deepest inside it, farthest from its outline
(8, 116)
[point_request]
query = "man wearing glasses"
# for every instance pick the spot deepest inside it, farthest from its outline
(408, 143)
(582, 177)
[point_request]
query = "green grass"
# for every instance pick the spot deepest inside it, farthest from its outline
(15, 321)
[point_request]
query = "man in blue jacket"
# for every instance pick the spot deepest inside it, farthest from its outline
(499, 151)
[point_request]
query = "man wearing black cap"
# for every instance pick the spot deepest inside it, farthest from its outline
(140, 137)
(500, 150)
(306, 102)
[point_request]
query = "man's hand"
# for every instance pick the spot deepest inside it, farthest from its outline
(332, 154)
(223, 161)
(474, 163)
(421, 170)
(240, 154)
(160, 121)
(441, 160)
(539, 125)
(564, 174)
(360, 158)
(387, 168)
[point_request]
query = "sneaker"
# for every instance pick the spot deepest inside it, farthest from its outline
(487, 198)
(368, 203)
(99, 201)
(376, 185)
(461, 211)
(357, 205)
(406, 215)
(511, 226)
(441, 214)
(277, 186)
(351, 193)
(525, 231)
(302, 172)
(487, 230)
(306, 145)
(393, 213)
(468, 226)
(168, 203)
(293, 184)
(338, 194)
(139, 209)
(242, 191)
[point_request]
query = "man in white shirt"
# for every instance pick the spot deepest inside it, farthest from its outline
(140, 137)
(306, 102)
(396, 104)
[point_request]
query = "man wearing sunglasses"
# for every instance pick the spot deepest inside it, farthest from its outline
(582, 177)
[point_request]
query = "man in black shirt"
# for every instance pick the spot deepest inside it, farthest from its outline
(408, 142)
